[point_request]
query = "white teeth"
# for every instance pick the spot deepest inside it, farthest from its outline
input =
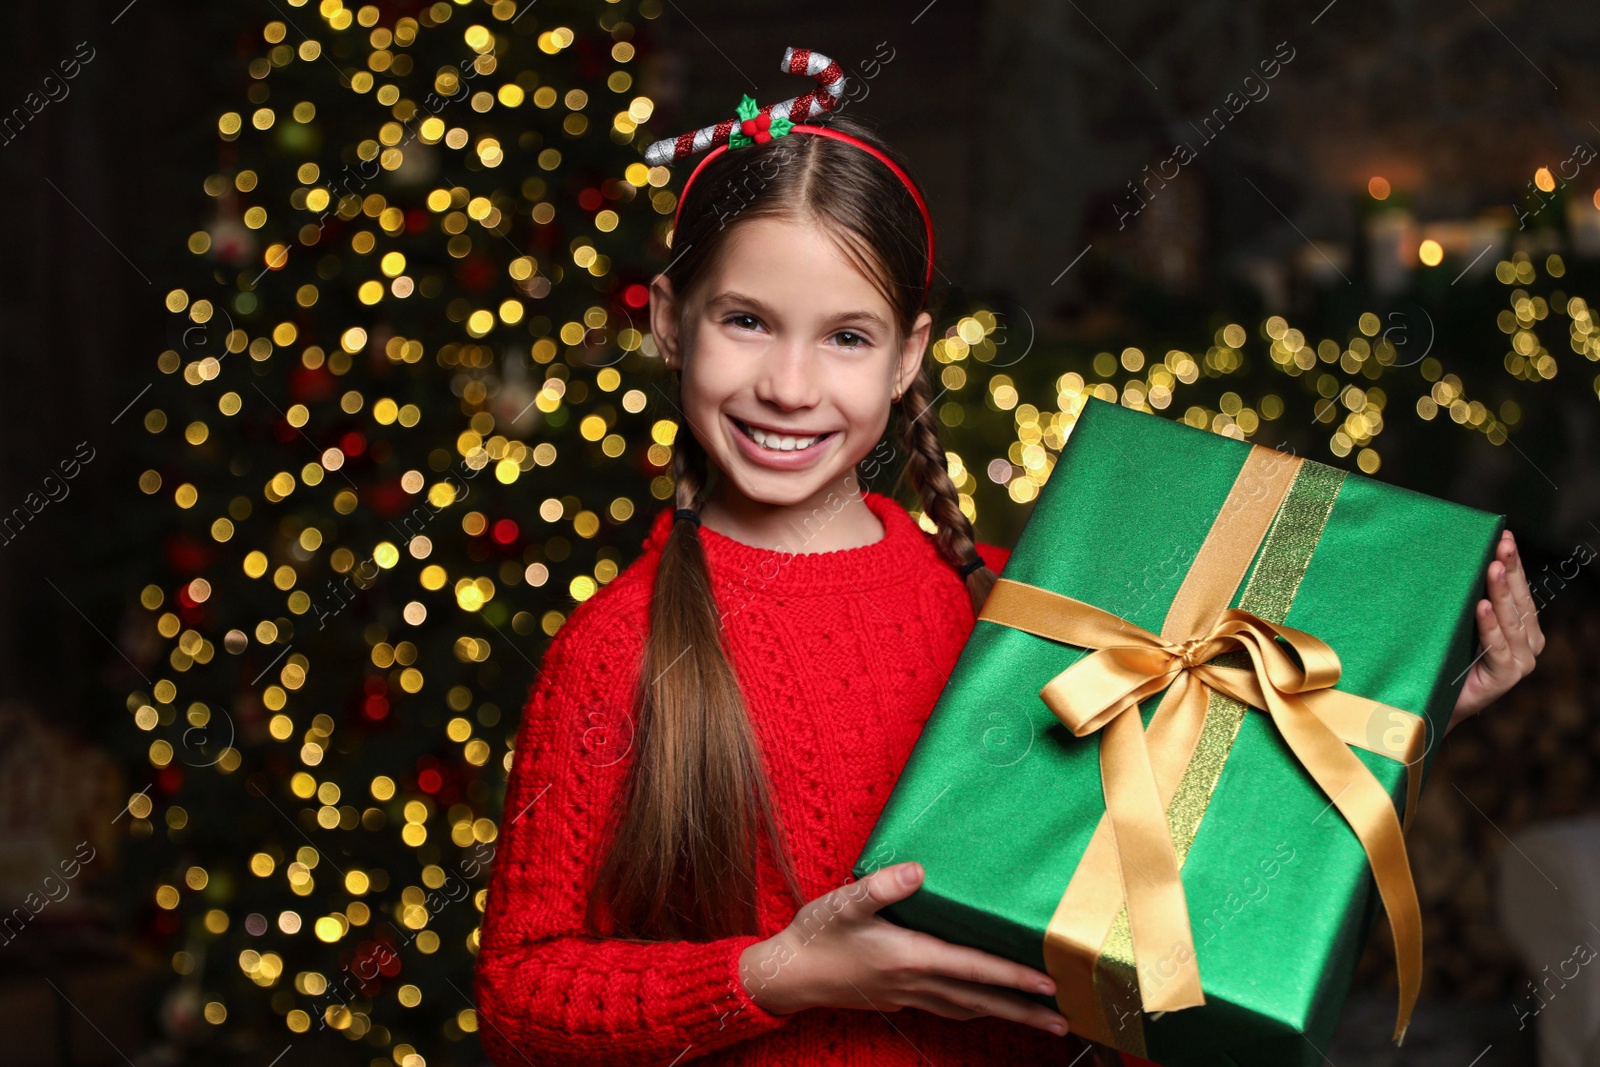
(780, 443)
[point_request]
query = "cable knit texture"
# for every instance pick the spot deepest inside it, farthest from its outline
(841, 656)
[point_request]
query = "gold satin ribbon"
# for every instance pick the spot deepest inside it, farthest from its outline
(1130, 860)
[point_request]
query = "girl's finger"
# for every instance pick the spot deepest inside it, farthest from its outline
(937, 1005)
(1523, 593)
(973, 1000)
(879, 889)
(1497, 659)
(936, 957)
(1511, 622)
(1530, 607)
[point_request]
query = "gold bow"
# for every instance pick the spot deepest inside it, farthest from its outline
(1140, 770)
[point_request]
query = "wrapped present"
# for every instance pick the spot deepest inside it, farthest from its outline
(1172, 762)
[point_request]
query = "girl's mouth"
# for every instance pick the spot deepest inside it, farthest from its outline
(775, 442)
(781, 452)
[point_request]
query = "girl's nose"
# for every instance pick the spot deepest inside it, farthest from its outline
(790, 377)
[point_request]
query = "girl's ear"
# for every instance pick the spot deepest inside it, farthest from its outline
(664, 320)
(911, 352)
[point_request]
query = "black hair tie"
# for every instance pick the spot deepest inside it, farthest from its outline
(686, 515)
(971, 565)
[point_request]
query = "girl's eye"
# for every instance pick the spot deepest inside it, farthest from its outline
(845, 338)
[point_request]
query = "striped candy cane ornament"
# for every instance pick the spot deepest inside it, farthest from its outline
(825, 97)
(756, 124)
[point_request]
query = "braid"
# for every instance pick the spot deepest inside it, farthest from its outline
(929, 471)
(688, 470)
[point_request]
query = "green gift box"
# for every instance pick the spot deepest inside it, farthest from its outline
(1288, 641)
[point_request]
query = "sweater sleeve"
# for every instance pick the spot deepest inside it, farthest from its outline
(994, 556)
(548, 992)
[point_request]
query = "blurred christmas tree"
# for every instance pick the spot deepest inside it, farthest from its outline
(389, 445)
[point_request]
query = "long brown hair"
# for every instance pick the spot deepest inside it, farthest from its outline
(683, 862)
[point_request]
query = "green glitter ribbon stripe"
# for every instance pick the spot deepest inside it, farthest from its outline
(1280, 565)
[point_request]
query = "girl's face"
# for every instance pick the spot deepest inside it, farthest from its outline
(789, 360)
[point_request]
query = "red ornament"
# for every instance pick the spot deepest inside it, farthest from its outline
(373, 960)
(476, 273)
(311, 386)
(758, 128)
(375, 708)
(388, 499)
(188, 556)
(374, 704)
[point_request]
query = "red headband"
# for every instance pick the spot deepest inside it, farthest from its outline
(757, 125)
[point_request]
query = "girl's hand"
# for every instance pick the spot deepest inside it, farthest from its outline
(838, 953)
(1508, 631)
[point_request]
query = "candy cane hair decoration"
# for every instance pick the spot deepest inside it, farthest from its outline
(758, 125)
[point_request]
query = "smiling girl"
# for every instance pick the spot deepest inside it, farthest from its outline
(714, 733)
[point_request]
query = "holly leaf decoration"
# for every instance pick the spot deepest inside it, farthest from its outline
(749, 109)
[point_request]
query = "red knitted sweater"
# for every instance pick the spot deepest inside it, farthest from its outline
(841, 656)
